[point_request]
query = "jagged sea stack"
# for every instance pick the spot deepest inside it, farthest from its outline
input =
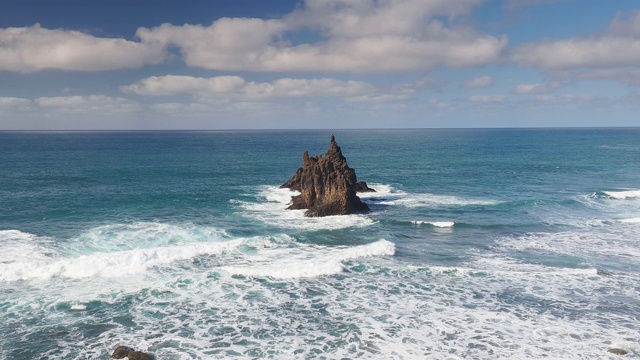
(327, 185)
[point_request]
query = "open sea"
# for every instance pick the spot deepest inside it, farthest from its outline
(481, 244)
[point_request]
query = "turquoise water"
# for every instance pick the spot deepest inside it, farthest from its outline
(481, 244)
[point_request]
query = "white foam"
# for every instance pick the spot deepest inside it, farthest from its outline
(78, 307)
(610, 245)
(634, 220)
(395, 313)
(110, 265)
(387, 195)
(381, 191)
(496, 308)
(442, 224)
(271, 209)
(310, 261)
(18, 246)
(114, 237)
(622, 195)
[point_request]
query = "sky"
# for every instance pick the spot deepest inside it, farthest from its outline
(318, 64)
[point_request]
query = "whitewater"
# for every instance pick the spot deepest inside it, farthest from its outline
(480, 244)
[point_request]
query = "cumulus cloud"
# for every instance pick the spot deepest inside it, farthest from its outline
(235, 87)
(361, 36)
(619, 46)
(29, 49)
(479, 82)
(487, 99)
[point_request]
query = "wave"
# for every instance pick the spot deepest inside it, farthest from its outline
(114, 264)
(507, 267)
(635, 220)
(623, 195)
(585, 246)
(118, 237)
(16, 245)
(442, 224)
(614, 195)
(312, 261)
(387, 195)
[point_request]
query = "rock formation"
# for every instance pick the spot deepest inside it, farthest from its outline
(327, 185)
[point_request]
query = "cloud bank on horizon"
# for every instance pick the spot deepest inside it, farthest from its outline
(333, 63)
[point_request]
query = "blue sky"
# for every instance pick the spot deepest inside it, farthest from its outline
(241, 64)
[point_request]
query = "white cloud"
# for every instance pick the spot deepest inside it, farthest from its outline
(29, 49)
(629, 76)
(618, 47)
(567, 98)
(536, 88)
(175, 85)
(229, 43)
(234, 87)
(363, 36)
(439, 104)
(514, 4)
(479, 82)
(487, 99)
(87, 104)
(626, 26)
(308, 87)
(14, 102)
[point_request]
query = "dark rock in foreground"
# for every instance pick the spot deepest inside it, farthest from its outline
(122, 352)
(327, 185)
(618, 351)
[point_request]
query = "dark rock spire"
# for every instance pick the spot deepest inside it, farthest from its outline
(327, 185)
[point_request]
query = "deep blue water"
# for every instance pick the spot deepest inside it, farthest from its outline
(480, 244)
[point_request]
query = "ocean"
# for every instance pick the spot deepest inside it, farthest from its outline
(480, 244)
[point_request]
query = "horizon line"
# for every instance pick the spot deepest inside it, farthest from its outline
(330, 129)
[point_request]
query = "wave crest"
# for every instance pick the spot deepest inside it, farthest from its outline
(315, 262)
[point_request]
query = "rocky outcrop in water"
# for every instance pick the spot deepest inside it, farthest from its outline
(327, 185)
(362, 186)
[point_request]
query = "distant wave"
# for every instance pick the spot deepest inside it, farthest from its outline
(622, 195)
(313, 262)
(623, 147)
(443, 224)
(635, 220)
